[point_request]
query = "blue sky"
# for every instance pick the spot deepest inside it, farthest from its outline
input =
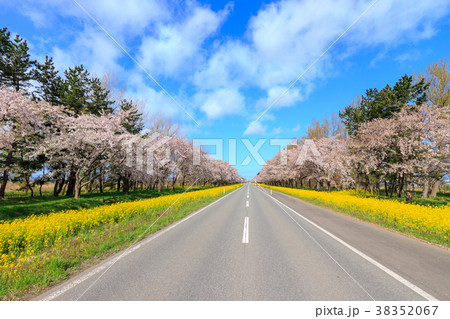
(225, 62)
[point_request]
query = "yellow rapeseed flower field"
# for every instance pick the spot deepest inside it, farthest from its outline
(20, 238)
(426, 221)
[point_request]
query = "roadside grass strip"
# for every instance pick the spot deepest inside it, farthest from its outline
(431, 223)
(43, 249)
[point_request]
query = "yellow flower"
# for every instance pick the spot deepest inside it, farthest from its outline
(37, 231)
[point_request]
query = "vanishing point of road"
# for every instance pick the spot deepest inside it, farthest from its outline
(256, 245)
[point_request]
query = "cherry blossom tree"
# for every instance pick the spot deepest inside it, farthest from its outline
(23, 125)
(407, 148)
(85, 143)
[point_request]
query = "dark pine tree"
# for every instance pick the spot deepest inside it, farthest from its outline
(99, 102)
(50, 83)
(134, 123)
(16, 68)
(75, 89)
(384, 103)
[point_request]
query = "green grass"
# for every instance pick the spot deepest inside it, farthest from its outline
(19, 205)
(79, 252)
(440, 200)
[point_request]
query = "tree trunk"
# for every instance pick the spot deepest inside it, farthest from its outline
(182, 182)
(5, 175)
(426, 188)
(91, 181)
(435, 188)
(71, 183)
(400, 187)
(386, 188)
(408, 190)
(27, 183)
(40, 189)
(55, 188)
(126, 186)
(61, 184)
(77, 185)
(392, 187)
(100, 180)
(118, 184)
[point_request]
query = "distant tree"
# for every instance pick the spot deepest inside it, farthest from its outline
(163, 125)
(437, 75)
(326, 128)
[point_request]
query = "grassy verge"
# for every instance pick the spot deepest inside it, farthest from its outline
(425, 222)
(20, 205)
(27, 276)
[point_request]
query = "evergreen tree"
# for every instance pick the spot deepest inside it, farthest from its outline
(75, 89)
(16, 68)
(99, 102)
(384, 103)
(5, 51)
(135, 122)
(50, 83)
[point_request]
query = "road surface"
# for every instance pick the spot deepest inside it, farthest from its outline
(254, 245)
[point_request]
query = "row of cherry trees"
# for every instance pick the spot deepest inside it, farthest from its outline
(411, 148)
(92, 149)
(73, 129)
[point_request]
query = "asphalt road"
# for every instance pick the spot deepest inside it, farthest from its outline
(251, 245)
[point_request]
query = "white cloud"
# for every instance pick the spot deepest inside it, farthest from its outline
(175, 40)
(61, 58)
(285, 37)
(177, 47)
(131, 17)
(221, 102)
(155, 101)
(256, 129)
(408, 56)
(395, 22)
(273, 94)
(120, 18)
(93, 49)
(233, 65)
(296, 128)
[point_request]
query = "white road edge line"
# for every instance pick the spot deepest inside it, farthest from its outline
(101, 267)
(245, 233)
(396, 276)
